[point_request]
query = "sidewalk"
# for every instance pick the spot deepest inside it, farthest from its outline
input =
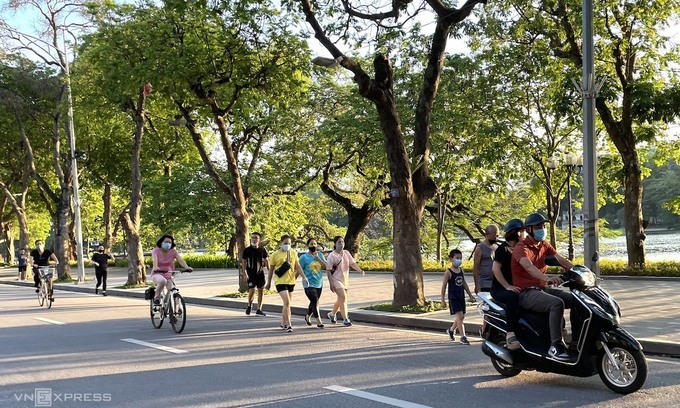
(649, 306)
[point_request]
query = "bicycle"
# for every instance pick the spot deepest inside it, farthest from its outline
(45, 291)
(172, 305)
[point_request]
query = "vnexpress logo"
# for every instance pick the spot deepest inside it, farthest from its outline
(44, 397)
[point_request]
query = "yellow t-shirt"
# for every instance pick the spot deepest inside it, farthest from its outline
(277, 259)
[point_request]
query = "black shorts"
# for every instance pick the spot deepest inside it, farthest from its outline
(456, 305)
(256, 280)
(282, 288)
(22, 268)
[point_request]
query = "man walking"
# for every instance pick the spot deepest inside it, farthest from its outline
(254, 262)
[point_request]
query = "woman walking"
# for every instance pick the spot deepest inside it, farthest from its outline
(338, 264)
(284, 266)
(313, 263)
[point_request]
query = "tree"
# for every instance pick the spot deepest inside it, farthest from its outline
(227, 74)
(58, 20)
(633, 54)
(410, 183)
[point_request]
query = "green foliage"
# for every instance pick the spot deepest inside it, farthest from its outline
(241, 295)
(430, 306)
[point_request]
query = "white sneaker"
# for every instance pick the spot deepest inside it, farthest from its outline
(332, 317)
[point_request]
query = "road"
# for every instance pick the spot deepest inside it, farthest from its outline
(104, 350)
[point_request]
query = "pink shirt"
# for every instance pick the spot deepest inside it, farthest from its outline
(165, 260)
(343, 262)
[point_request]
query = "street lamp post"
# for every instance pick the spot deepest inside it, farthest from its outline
(573, 165)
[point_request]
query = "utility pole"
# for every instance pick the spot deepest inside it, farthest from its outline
(589, 92)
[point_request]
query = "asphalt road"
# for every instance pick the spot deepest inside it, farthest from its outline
(86, 352)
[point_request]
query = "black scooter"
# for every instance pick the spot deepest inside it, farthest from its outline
(598, 344)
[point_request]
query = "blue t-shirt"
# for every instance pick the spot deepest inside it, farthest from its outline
(313, 270)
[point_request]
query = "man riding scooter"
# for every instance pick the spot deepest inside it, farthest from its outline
(529, 274)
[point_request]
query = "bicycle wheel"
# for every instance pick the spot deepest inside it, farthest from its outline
(41, 295)
(48, 295)
(178, 315)
(156, 315)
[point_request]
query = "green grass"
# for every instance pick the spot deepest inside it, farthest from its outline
(240, 295)
(428, 307)
(141, 285)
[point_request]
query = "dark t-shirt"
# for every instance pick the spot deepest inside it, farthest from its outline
(503, 256)
(254, 258)
(102, 260)
(41, 259)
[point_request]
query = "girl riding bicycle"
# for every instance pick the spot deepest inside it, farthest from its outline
(164, 256)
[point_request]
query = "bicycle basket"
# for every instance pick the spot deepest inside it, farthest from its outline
(149, 293)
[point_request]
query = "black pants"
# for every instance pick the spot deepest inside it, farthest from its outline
(547, 300)
(101, 278)
(511, 301)
(313, 294)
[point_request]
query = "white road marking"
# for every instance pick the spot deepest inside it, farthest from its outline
(656, 360)
(42, 319)
(156, 346)
(375, 397)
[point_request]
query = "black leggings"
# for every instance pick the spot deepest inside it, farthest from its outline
(511, 300)
(101, 278)
(313, 294)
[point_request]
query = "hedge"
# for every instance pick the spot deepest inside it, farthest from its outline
(607, 267)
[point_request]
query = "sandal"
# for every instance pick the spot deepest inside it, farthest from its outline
(511, 343)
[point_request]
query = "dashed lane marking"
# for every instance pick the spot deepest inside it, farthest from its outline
(42, 319)
(375, 397)
(155, 346)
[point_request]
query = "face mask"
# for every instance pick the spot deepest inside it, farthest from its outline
(253, 243)
(166, 245)
(339, 247)
(285, 247)
(41, 248)
(539, 235)
(457, 262)
(312, 249)
(492, 241)
(101, 251)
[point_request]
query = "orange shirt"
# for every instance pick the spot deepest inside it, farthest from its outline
(536, 252)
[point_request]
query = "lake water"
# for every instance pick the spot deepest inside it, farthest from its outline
(659, 246)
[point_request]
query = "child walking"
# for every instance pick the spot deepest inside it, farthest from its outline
(455, 280)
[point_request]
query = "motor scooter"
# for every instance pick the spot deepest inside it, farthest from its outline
(598, 344)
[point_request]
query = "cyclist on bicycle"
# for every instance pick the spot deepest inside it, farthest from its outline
(164, 256)
(41, 257)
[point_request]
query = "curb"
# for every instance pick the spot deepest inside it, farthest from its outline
(657, 347)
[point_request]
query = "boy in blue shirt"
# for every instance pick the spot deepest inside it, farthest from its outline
(455, 280)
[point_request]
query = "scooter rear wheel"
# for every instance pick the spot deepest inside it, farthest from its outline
(631, 373)
(505, 369)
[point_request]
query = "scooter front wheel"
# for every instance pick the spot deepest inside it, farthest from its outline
(628, 374)
(505, 369)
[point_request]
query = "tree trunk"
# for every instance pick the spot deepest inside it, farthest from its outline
(107, 198)
(358, 218)
(131, 220)
(441, 215)
(9, 238)
(61, 238)
(635, 234)
(408, 263)
(234, 189)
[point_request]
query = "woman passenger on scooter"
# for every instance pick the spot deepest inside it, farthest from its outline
(164, 256)
(502, 288)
